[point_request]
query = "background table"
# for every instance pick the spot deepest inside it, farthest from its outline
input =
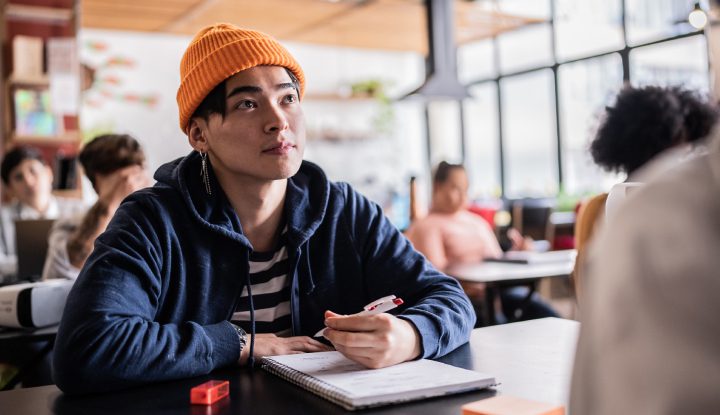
(498, 275)
(531, 359)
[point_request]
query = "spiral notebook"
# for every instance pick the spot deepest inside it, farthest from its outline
(352, 386)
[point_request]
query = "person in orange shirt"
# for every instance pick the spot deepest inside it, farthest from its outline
(451, 234)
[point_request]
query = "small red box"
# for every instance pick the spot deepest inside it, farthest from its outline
(209, 392)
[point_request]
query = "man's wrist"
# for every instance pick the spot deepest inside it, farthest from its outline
(242, 337)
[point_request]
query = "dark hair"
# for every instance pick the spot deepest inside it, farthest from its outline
(14, 157)
(214, 101)
(442, 171)
(110, 152)
(645, 121)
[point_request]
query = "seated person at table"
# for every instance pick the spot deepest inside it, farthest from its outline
(649, 340)
(28, 180)
(115, 165)
(243, 250)
(450, 234)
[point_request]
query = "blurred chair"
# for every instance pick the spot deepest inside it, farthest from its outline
(590, 215)
(531, 217)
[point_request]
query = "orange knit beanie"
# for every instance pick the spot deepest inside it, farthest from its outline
(220, 51)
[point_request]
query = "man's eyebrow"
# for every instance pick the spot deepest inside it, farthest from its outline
(245, 88)
(285, 85)
(257, 89)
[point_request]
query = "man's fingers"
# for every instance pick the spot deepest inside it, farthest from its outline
(354, 339)
(309, 345)
(356, 322)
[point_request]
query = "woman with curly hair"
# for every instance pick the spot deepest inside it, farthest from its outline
(645, 121)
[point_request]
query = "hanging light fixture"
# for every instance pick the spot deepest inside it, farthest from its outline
(697, 17)
(442, 82)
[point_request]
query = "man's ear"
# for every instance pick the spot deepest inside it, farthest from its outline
(196, 134)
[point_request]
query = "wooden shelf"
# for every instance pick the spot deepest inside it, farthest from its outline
(20, 80)
(68, 137)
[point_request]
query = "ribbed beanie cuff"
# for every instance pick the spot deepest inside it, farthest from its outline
(220, 51)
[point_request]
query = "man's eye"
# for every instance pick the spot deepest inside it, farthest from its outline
(291, 98)
(246, 104)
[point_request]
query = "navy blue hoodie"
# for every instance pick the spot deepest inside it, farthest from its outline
(154, 299)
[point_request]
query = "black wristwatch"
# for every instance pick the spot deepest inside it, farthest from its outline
(242, 335)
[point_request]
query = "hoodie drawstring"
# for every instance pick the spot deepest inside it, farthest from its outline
(251, 358)
(311, 282)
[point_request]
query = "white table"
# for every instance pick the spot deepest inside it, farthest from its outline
(500, 274)
(509, 272)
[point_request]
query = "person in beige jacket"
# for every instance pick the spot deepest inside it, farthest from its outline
(650, 336)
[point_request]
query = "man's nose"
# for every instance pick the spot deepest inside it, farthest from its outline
(277, 119)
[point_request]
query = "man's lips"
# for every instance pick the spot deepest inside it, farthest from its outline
(280, 148)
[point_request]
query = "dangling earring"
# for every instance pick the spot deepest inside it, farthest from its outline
(204, 172)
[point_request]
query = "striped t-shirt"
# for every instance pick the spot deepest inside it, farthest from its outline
(271, 293)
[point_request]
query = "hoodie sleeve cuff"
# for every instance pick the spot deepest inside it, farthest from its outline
(428, 335)
(225, 344)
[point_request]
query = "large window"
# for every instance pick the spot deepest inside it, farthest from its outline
(650, 20)
(528, 119)
(476, 61)
(445, 132)
(585, 88)
(541, 130)
(482, 153)
(525, 48)
(587, 27)
(677, 62)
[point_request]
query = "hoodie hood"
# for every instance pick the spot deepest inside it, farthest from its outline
(305, 201)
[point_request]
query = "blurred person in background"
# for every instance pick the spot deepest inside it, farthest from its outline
(115, 165)
(645, 121)
(650, 339)
(28, 181)
(642, 123)
(450, 234)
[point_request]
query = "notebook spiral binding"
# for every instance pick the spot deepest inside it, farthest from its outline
(323, 389)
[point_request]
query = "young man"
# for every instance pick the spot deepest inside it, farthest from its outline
(115, 165)
(28, 179)
(243, 250)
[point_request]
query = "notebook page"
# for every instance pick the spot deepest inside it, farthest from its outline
(403, 380)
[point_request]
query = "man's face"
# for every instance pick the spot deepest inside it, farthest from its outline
(31, 183)
(262, 136)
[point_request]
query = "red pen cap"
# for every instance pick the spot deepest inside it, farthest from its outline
(209, 392)
(398, 301)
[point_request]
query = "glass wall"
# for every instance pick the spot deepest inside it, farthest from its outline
(677, 62)
(528, 119)
(552, 80)
(649, 20)
(587, 27)
(585, 88)
(482, 152)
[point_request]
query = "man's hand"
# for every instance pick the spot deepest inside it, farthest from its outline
(373, 341)
(271, 345)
